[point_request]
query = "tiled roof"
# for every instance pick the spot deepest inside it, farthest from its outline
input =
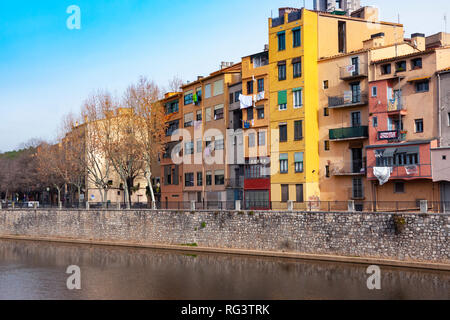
(429, 51)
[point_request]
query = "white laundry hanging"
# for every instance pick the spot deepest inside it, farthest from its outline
(246, 101)
(382, 174)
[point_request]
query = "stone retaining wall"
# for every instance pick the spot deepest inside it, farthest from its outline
(407, 237)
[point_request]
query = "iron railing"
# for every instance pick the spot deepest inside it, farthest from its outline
(348, 100)
(349, 133)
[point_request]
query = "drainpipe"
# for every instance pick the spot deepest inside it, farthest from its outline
(439, 109)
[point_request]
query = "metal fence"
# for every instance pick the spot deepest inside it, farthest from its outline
(324, 206)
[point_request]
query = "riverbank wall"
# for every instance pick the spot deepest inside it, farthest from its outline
(409, 238)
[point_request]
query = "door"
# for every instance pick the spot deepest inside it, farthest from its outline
(356, 119)
(357, 160)
(445, 196)
(356, 92)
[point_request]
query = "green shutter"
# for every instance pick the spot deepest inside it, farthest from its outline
(284, 156)
(282, 97)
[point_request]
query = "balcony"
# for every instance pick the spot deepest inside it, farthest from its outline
(396, 106)
(407, 172)
(348, 100)
(348, 168)
(277, 21)
(351, 133)
(234, 183)
(392, 135)
(353, 72)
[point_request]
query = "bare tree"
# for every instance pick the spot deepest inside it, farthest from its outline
(98, 117)
(175, 84)
(142, 97)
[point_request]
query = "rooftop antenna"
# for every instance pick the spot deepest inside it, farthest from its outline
(445, 28)
(304, 3)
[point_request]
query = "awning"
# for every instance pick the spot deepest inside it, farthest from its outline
(409, 150)
(419, 79)
(389, 152)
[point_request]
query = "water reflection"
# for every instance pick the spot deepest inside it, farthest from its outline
(36, 270)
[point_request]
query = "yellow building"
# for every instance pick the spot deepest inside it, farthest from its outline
(298, 39)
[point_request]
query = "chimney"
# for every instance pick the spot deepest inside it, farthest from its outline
(418, 41)
(199, 77)
(266, 47)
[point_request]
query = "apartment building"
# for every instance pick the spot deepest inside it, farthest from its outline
(344, 117)
(255, 87)
(403, 124)
(294, 89)
(172, 170)
(204, 135)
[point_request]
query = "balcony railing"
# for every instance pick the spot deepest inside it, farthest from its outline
(417, 171)
(349, 99)
(277, 21)
(350, 133)
(353, 71)
(348, 168)
(395, 105)
(234, 183)
(294, 16)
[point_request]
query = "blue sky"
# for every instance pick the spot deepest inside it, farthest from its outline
(47, 70)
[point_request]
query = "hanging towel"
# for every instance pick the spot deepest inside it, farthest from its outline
(246, 101)
(260, 96)
(382, 174)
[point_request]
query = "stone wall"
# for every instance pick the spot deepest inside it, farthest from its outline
(408, 237)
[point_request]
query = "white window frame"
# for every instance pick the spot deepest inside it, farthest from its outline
(282, 109)
(301, 99)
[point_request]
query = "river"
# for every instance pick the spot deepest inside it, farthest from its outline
(37, 270)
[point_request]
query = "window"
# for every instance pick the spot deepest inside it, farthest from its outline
(262, 138)
(400, 66)
(199, 145)
(399, 187)
(298, 101)
(260, 112)
(448, 118)
(283, 163)
(207, 91)
(219, 177)
(358, 192)
(188, 120)
(284, 193)
(218, 87)
(251, 140)
(356, 119)
(342, 39)
(189, 97)
(219, 143)
(282, 72)
(404, 156)
(208, 114)
(208, 178)
(281, 41)
(218, 112)
(199, 179)
(236, 95)
(416, 63)
(260, 85)
(444, 157)
(283, 132)
(189, 147)
(297, 67)
(249, 114)
(327, 145)
(422, 86)
(172, 127)
(327, 171)
(326, 112)
(374, 91)
(282, 100)
(325, 84)
(375, 122)
(189, 179)
(231, 97)
(299, 193)
(258, 199)
(419, 125)
(250, 87)
(172, 107)
(298, 162)
(296, 34)
(199, 115)
(298, 130)
(386, 69)
(355, 87)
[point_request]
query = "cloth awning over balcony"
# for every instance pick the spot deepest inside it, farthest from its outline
(419, 79)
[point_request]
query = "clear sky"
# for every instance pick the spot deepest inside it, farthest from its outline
(47, 70)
